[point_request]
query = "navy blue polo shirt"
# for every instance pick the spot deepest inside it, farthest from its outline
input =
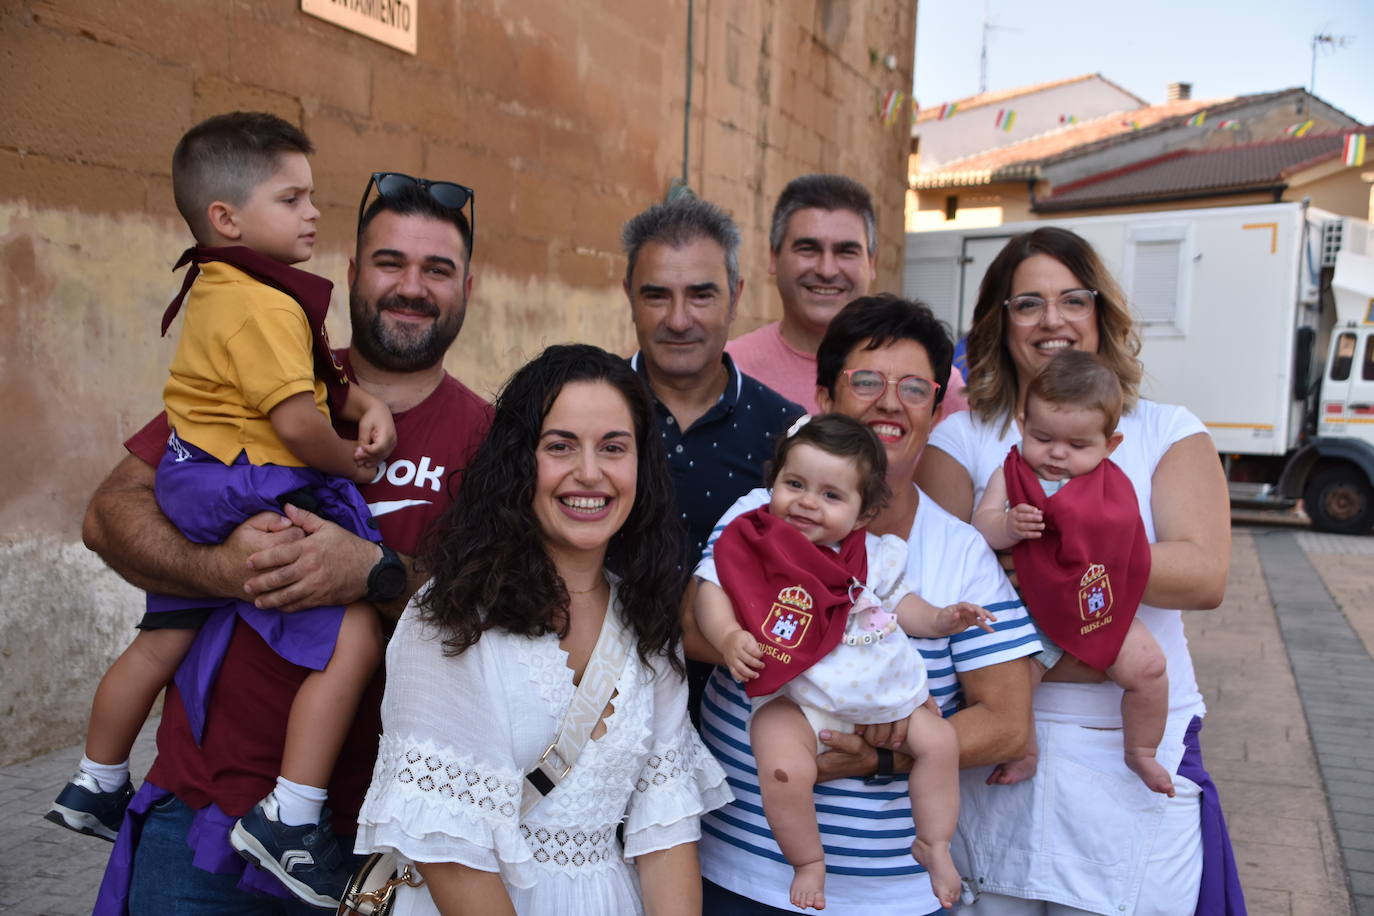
(721, 457)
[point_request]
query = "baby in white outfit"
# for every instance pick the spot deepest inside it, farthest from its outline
(827, 480)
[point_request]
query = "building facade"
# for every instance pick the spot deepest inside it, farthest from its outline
(565, 118)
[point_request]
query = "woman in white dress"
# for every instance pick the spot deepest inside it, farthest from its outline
(1084, 835)
(569, 483)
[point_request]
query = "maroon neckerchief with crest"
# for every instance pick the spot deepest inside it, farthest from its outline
(1083, 578)
(791, 594)
(310, 292)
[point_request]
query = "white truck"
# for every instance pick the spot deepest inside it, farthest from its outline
(1235, 306)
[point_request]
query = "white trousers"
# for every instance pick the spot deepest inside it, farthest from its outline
(1169, 882)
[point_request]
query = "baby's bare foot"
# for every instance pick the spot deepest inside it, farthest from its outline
(1014, 771)
(808, 885)
(1142, 762)
(944, 877)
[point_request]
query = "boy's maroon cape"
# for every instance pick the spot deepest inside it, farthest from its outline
(1083, 578)
(311, 293)
(791, 594)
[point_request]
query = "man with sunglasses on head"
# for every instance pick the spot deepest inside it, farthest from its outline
(409, 282)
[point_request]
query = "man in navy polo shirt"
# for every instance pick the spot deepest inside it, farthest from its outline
(718, 424)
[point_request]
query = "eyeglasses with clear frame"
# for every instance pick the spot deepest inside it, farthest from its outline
(869, 385)
(1071, 303)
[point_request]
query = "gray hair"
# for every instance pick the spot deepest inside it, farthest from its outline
(823, 192)
(680, 222)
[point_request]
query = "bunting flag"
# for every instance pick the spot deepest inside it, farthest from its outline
(1068, 119)
(1354, 149)
(1005, 119)
(1297, 130)
(1133, 125)
(947, 110)
(892, 100)
(1228, 124)
(1198, 119)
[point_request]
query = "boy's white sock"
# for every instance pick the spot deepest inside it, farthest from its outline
(298, 804)
(110, 776)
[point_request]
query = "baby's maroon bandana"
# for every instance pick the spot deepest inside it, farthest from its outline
(311, 293)
(1083, 578)
(791, 594)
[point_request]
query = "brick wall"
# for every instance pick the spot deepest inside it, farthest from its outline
(566, 118)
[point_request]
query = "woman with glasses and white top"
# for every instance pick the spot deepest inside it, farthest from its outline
(884, 362)
(1085, 835)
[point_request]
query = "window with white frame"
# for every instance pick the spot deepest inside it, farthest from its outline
(1157, 278)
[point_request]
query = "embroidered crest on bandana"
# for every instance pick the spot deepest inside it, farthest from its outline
(789, 618)
(1094, 598)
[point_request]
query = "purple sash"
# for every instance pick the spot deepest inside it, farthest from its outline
(1220, 893)
(206, 500)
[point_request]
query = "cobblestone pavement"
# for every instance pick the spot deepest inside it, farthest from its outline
(47, 870)
(1285, 660)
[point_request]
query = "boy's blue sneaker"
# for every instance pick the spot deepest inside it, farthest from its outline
(306, 859)
(82, 807)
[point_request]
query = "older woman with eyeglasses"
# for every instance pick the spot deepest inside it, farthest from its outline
(884, 361)
(1085, 835)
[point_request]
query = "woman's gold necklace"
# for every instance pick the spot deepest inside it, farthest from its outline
(572, 591)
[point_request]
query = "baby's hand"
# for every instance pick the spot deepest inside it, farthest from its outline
(742, 655)
(1025, 521)
(376, 436)
(959, 617)
(365, 471)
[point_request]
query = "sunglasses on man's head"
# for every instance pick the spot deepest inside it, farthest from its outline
(448, 194)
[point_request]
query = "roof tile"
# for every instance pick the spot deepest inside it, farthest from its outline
(1185, 173)
(1022, 160)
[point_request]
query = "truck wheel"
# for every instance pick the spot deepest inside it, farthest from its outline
(1340, 499)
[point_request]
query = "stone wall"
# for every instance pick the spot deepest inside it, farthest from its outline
(566, 118)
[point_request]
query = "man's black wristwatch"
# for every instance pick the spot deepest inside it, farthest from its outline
(885, 769)
(387, 580)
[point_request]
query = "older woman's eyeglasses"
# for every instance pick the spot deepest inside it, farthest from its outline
(1071, 303)
(869, 385)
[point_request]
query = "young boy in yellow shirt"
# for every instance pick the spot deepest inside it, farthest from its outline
(248, 399)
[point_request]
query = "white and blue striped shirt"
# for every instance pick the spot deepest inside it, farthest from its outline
(866, 830)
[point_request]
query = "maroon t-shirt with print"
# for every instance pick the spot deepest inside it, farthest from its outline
(240, 757)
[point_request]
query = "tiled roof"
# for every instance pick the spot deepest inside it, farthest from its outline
(992, 98)
(1023, 160)
(1200, 173)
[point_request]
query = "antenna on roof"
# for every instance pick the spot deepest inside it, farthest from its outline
(983, 57)
(1318, 40)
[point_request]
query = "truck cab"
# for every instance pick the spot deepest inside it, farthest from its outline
(1334, 470)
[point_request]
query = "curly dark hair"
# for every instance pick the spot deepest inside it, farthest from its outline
(844, 437)
(489, 565)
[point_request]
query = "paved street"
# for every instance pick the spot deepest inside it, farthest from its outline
(1286, 667)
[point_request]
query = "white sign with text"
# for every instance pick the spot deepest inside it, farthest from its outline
(392, 22)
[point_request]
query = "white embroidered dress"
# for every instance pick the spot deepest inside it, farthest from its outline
(460, 732)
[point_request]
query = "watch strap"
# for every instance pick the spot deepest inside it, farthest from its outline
(883, 775)
(378, 592)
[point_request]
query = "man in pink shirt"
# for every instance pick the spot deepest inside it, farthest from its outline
(822, 254)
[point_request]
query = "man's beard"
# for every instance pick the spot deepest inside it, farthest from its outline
(399, 347)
